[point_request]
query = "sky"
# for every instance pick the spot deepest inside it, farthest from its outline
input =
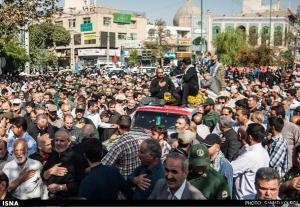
(166, 9)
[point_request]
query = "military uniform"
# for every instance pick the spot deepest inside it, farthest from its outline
(211, 119)
(212, 184)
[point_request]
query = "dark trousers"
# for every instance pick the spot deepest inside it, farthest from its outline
(188, 90)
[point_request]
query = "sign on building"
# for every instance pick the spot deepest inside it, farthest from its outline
(122, 18)
(86, 27)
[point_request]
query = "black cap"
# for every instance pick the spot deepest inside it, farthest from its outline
(212, 139)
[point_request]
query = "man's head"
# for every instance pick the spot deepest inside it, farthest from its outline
(19, 126)
(277, 111)
(42, 121)
(199, 158)
(242, 115)
(68, 121)
(275, 125)
(6, 106)
(258, 117)
(267, 183)
(225, 123)
(159, 132)
(159, 73)
(3, 148)
(112, 106)
(185, 139)
(131, 103)
(197, 118)
(44, 144)
(213, 143)
(186, 62)
(176, 170)
(150, 152)
(208, 105)
(92, 149)
(256, 133)
(227, 111)
(124, 124)
(253, 102)
(66, 109)
(182, 123)
(20, 151)
(62, 140)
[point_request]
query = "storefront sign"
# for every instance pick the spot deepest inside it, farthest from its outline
(122, 18)
(86, 27)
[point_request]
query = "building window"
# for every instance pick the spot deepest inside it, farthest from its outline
(122, 36)
(106, 21)
(89, 38)
(59, 23)
(77, 39)
(278, 34)
(229, 29)
(253, 35)
(132, 36)
(86, 20)
(133, 24)
(72, 23)
(216, 31)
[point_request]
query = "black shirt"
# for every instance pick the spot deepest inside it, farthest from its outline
(74, 163)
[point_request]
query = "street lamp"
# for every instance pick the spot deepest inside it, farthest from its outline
(270, 22)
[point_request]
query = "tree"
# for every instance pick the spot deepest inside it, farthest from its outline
(159, 42)
(44, 38)
(228, 44)
(18, 13)
(15, 55)
(133, 57)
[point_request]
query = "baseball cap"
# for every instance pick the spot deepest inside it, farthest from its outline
(208, 101)
(121, 97)
(186, 136)
(199, 155)
(80, 108)
(211, 139)
(51, 107)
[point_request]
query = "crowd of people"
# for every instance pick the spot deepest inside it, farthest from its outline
(70, 136)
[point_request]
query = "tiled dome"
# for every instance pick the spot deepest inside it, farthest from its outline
(184, 14)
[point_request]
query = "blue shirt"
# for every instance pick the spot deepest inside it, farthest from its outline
(31, 143)
(103, 183)
(154, 174)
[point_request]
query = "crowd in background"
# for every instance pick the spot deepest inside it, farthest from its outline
(69, 136)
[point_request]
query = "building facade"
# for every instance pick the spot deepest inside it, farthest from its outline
(98, 34)
(257, 22)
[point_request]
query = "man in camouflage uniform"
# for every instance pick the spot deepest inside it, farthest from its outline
(212, 184)
(211, 118)
(217, 70)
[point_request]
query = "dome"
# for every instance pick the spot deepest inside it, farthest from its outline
(183, 16)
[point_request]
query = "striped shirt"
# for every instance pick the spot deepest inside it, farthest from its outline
(278, 151)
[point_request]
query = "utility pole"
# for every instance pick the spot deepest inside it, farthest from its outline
(107, 49)
(26, 45)
(270, 23)
(201, 27)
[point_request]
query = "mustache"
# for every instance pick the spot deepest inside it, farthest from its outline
(171, 180)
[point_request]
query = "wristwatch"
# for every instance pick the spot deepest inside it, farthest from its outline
(61, 187)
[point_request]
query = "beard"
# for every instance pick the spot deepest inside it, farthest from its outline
(21, 160)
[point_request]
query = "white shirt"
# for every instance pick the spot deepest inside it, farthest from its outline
(95, 118)
(245, 167)
(203, 131)
(31, 188)
(179, 192)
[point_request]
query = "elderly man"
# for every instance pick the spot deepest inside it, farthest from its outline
(44, 145)
(63, 170)
(149, 172)
(24, 174)
(75, 132)
(267, 183)
(42, 126)
(175, 186)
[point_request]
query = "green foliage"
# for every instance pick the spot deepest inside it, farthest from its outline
(15, 55)
(228, 45)
(47, 35)
(133, 57)
(159, 43)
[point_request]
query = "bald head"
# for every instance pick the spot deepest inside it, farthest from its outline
(88, 131)
(295, 119)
